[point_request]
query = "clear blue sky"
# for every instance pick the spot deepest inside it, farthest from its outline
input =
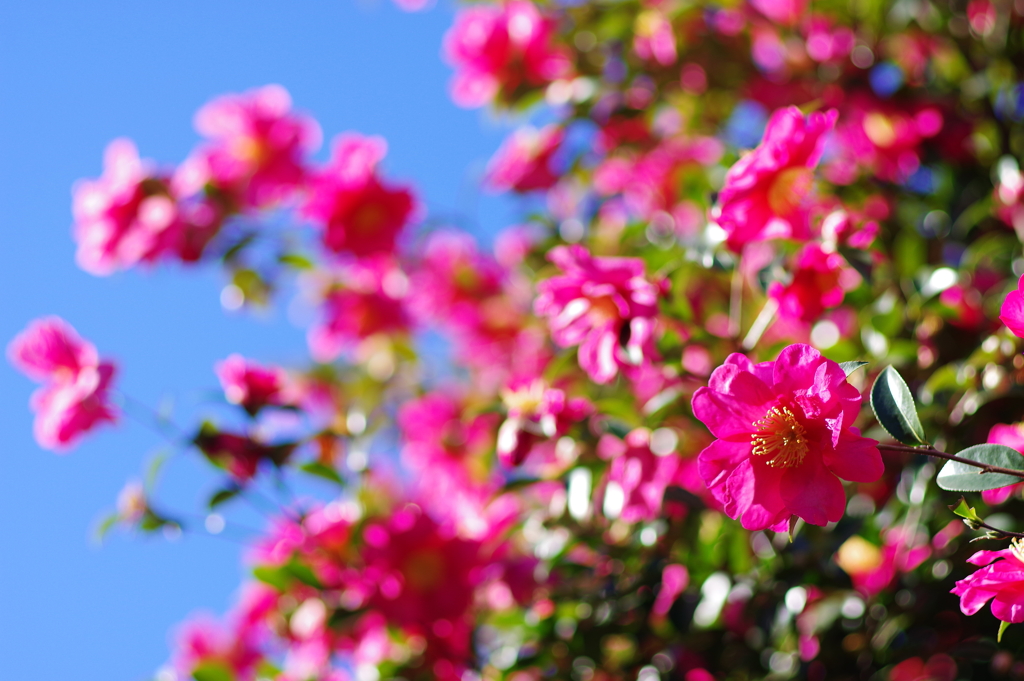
(74, 75)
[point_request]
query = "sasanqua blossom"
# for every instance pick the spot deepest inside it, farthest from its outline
(523, 163)
(499, 50)
(604, 305)
(767, 193)
(1012, 311)
(359, 213)
(74, 397)
(257, 148)
(1000, 580)
(785, 439)
(250, 385)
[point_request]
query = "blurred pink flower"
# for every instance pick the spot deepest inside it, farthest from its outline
(786, 438)
(767, 193)
(126, 216)
(674, 580)
(872, 569)
(257, 146)
(1000, 580)
(818, 282)
(523, 163)
(536, 412)
(360, 214)
(654, 38)
(637, 475)
(603, 305)
(250, 385)
(1011, 436)
(787, 12)
(74, 397)
(205, 642)
(368, 299)
(500, 50)
(1012, 311)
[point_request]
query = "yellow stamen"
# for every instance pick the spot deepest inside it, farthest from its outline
(1017, 546)
(780, 437)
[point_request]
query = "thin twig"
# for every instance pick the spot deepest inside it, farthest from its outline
(931, 451)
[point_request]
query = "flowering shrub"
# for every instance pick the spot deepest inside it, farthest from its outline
(651, 456)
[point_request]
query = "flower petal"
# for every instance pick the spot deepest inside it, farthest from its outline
(812, 492)
(855, 458)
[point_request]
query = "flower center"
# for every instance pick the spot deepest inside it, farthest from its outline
(789, 189)
(1017, 547)
(780, 438)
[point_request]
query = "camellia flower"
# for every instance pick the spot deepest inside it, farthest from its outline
(74, 397)
(536, 412)
(603, 305)
(126, 216)
(1000, 580)
(817, 284)
(766, 193)
(1012, 310)
(205, 642)
(497, 50)
(359, 213)
(637, 477)
(785, 439)
(250, 385)
(523, 163)
(256, 154)
(368, 299)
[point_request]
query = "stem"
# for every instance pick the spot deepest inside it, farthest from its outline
(1015, 535)
(760, 325)
(736, 300)
(931, 451)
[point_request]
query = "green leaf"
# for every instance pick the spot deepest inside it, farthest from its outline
(1002, 627)
(850, 367)
(894, 408)
(965, 511)
(223, 495)
(299, 262)
(212, 671)
(274, 576)
(322, 471)
(106, 525)
(153, 469)
(304, 574)
(961, 477)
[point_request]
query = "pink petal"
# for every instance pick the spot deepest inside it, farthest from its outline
(856, 459)
(796, 367)
(812, 492)
(1008, 606)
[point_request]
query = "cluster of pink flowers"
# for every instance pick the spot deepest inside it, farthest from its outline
(75, 396)
(536, 414)
(251, 385)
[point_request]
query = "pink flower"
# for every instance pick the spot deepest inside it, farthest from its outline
(1000, 580)
(817, 284)
(873, 569)
(257, 149)
(250, 385)
(74, 397)
(654, 39)
(1011, 436)
(767, 192)
(674, 580)
(499, 51)
(787, 12)
(368, 299)
(126, 216)
(360, 214)
(785, 438)
(637, 475)
(603, 305)
(206, 642)
(536, 413)
(523, 163)
(1012, 311)
(239, 455)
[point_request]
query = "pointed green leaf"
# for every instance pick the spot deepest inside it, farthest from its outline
(274, 576)
(965, 511)
(1002, 627)
(850, 367)
(322, 471)
(894, 408)
(221, 496)
(961, 477)
(299, 262)
(212, 671)
(105, 526)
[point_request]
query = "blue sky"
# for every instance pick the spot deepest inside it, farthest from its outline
(73, 76)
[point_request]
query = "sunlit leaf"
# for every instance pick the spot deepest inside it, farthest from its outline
(850, 367)
(961, 477)
(894, 408)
